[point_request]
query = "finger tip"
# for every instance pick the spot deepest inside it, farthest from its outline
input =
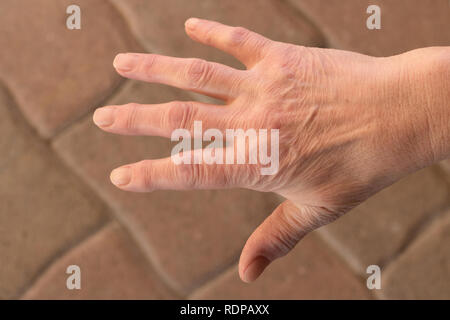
(116, 59)
(103, 117)
(124, 63)
(254, 269)
(191, 23)
(95, 117)
(120, 177)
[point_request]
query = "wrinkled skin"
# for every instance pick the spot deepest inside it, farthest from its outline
(345, 124)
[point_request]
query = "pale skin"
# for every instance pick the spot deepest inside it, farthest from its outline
(350, 125)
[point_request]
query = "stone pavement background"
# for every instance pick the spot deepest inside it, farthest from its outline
(57, 206)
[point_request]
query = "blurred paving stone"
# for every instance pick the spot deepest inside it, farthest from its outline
(374, 231)
(310, 271)
(190, 236)
(405, 24)
(58, 74)
(423, 270)
(159, 24)
(13, 131)
(42, 212)
(111, 268)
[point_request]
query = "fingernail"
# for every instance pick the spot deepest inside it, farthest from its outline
(121, 176)
(191, 23)
(255, 268)
(126, 62)
(104, 117)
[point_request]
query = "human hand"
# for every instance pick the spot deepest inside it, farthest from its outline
(344, 121)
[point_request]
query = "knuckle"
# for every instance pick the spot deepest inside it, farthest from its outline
(289, 231)
(210, 35)
(191, 175)
(283, 242)
(288, 58)
(289, 52)
(239, 36)
(179, 115)
(187, 115)
(143, 172)
(198, 72)
(130, 117)
(148, 63)
(284, 56)
(294, 60)
(307, 218)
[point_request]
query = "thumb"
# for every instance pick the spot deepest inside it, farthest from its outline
(277, 235)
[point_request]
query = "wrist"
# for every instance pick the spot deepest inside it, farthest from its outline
(418, 109)
(438, 100)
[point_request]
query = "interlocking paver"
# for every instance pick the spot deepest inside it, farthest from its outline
(423, 270)
(159, 24)
(189, 235)
(405, 24)
(374, 231)
(42, 212)
(58, 74)
(310, 271)
(111, 267)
